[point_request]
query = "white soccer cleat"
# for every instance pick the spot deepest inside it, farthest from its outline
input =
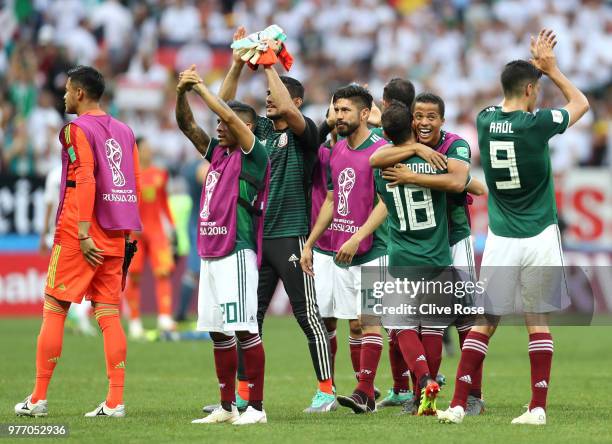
(452, 415)
(136, 331)
(219, 415)
(165, 323)
(105, 411)
(535, 416)
(252, 416)
(29, 408)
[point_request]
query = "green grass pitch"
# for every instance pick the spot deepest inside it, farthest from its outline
(167, 384)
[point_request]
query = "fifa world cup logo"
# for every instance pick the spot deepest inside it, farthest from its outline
(346, 182)
(209, 187)
(114, 155)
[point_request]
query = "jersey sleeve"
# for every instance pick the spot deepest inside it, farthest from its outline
(258, 156)
(330, 181)
(460, 150)
(378, 131)
(263, 128)
(211, 147)
(84, 174)
(309, 139)
(550, 122)
(379, 183)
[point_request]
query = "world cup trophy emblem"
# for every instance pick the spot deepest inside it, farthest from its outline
(209, 187)
(346, 182)
(114, 155)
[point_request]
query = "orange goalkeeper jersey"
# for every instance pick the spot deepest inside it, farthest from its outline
(154, 200)
(78, 205)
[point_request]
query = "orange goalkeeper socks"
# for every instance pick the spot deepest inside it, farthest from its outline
(243, 389)
(49, 346)
(115, 351)
(132, 297)
(163, 288)
(327, 386)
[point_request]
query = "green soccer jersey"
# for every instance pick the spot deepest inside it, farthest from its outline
(515, 159)
(292, 159)
(254, 165)
(417, 221)
(458, 222)
(381, 236)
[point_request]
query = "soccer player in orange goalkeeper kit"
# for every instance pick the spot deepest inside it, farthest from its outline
(98, 208)
(153, 243)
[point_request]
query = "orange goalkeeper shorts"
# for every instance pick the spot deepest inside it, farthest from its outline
(70, 277)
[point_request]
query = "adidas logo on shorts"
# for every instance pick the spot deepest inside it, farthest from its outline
(293, 258)
(421, 358)
(542, 384)
(466, 378)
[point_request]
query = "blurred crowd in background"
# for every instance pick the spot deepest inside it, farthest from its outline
(455, 48)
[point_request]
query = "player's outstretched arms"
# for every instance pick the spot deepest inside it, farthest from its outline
(543, 58)
(230, 82)
(329, 123)
(375, 219)
(184, 116)
(389, 155)
(476, 187)
(324, 219)
(240, 130)
(284, 103)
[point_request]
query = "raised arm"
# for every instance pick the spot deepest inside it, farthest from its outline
(239, 129)
(329, 123)
(230, 82)
(185, 120)
(389, 155)
(544, 59)
(284, 103)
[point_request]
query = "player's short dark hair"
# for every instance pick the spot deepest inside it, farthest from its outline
(428, 97)
(355, 93)
(516, 75)
(295, 88)
(397, 122)
(399, 89)
(89, 79)
(244, 111)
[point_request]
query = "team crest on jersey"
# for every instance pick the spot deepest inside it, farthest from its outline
(209, 188)
(283, 140)
(346, 182)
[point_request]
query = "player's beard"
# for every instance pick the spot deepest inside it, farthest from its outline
(348, 129)
(274, 114)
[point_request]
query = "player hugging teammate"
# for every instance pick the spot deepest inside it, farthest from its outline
(388, 202)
